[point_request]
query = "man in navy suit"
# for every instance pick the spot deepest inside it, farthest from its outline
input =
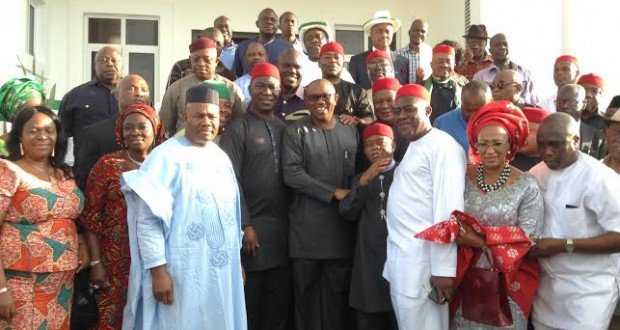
(381, 30)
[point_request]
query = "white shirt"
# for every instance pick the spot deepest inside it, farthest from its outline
(549, 103)
(578, 290)
(244, 84)
(311, 72)
(428, 185)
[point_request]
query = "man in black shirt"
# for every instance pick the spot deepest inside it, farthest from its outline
(254, 144)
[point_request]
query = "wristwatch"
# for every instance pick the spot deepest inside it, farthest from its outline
(570, 247)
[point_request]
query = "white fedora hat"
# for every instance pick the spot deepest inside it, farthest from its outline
(382, 16)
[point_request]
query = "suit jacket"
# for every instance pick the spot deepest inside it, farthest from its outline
(357, 67)
(97, 140)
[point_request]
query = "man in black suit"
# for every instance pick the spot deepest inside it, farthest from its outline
(99, 138)
(381, 30)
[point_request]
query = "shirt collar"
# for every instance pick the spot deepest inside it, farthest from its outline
(390, 166)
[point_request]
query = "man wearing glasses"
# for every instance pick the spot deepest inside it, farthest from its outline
(318, 160)
(507, 86)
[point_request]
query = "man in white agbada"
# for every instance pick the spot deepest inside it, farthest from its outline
(183, 214)
(579, 272)
(428, 185)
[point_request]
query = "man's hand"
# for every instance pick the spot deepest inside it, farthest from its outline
(469, 237)
(340, 194)
(99, 277)
(419, 75)
(83, 257)
(374, 170)
(250, 241)
(7, 306)
(547, 247)
(468, 56)
(349, 120)
(162, 284)
(444, 287)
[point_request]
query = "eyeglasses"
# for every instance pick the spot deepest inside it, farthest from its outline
(501, 85)
(379, 65)
(408, 110)
(483, 146)
(316, 97)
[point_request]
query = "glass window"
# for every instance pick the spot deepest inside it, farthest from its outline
(142, 32)
(143, 64)
(93, 74)
(352, 41)
(31, 29)
(104, 30)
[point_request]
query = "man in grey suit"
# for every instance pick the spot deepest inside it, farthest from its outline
(381, 30)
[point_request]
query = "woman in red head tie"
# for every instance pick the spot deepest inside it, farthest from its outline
(506, 202)
(104, 219)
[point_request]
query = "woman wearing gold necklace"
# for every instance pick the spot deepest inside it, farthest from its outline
(506, 202)
(39, 202)
(139, 130)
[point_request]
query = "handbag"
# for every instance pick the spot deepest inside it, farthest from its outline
(485, 298)
(84, 312)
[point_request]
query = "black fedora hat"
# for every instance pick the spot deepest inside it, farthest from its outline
(477, 32)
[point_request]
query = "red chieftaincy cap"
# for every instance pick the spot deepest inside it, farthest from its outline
(535, 115)
(380, 84)
(413, 90)
(202, 43)
(378, 129)
(265, 69)
(567, 58)
(378, 53)
(332, 46)
(443, 49)
(591, 79)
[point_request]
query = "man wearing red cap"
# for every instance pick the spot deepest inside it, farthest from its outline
(428, 185)
(383, 95)
(592, 124)
(380, 29)
(528, 156)
(379, 65)
(444, 89)
(318, 159)
(475, 95)
(253, 143)
(204, 60)
(565, 71)
(353, 107)
(366, 204)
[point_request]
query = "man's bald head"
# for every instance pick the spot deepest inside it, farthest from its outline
(571, 100)
(507, 86)
(223, 24)
(132, 89)
(475, 95)
(108, 66)
(558, 141)
(254, 54)
(498, 47)
(418, 31)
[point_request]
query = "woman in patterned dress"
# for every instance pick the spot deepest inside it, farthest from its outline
(39, 248)
(504, 199)
(139, 129)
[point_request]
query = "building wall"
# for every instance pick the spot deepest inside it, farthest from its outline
(61, 35)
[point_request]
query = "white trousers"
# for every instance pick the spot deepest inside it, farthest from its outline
(415, 314)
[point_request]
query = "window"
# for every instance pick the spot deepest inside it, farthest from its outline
(352, 39)
(31, 28)
(137, 38)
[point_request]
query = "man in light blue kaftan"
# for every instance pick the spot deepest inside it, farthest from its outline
(184, 217)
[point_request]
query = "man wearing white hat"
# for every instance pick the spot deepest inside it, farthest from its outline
(380, 29)
(314, 35)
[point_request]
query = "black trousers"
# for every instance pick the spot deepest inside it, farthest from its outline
(268, 297)
(321, 293)
(375, 321)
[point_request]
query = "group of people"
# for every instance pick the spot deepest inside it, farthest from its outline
(422, 188)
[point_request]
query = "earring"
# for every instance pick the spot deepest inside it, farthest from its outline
(53, 150)
(21, 149)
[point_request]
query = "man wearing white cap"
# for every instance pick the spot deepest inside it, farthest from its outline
(380, 29)
(313, 36)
